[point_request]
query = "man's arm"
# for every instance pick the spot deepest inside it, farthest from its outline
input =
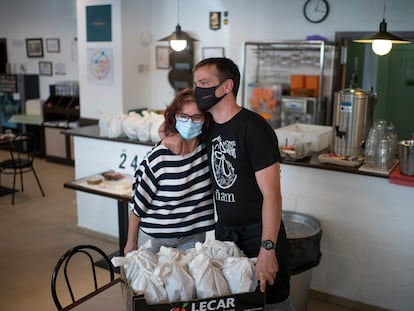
(268, 180)
(174, 142)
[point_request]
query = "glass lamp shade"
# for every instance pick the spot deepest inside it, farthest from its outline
(381, 47)
(178, 39)
(382, 41)
(178, 45)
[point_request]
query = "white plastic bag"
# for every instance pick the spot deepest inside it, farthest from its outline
(156, 121)
(104, 120)
(131, 124)
(115, 126)
(144, 129)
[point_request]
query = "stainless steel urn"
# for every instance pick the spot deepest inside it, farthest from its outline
(352, 119)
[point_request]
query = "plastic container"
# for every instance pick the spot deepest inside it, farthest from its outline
(304, 235)
(319, 136)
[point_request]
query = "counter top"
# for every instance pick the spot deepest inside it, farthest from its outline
(313, 162)
(92, 131)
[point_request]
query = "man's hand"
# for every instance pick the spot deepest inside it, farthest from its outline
(266, 267)
(176, 144)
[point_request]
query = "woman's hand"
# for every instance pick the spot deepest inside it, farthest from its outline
(130, 246)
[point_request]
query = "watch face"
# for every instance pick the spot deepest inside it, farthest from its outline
(268, 244)
(316, 11)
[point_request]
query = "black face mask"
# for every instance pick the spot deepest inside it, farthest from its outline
(206, 97)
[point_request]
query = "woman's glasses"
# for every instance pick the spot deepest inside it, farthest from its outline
(185, 117)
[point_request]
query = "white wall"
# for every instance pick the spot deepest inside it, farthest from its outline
(20, 19)
(248, 20)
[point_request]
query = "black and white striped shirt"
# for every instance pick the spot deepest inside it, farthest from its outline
(172, 193)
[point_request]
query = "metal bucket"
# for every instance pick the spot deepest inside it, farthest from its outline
(352, 119)
(406, 157)
(304, 235)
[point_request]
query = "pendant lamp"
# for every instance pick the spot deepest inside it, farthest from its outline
(178, 39)
(382, 41)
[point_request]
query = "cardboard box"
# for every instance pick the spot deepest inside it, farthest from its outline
(297, 81)
(319, 136)
(312, 82)
(237, 302)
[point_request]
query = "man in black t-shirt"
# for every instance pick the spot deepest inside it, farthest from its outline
(244, 161)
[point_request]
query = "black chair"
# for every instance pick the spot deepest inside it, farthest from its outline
(82, 252)
(22, 151)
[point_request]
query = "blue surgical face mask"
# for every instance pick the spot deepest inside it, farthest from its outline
(188, 129)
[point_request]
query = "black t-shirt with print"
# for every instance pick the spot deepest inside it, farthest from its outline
(237, 149)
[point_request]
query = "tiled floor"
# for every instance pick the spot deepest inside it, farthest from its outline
(36, 231)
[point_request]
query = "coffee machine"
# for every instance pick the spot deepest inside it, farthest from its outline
(353, 117)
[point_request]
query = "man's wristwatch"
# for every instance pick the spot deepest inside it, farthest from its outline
(268, 244)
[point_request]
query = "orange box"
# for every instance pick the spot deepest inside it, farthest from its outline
(312, 82)
(297, 82)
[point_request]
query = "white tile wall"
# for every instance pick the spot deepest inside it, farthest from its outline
(368, 234)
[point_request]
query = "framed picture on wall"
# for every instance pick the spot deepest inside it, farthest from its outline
(34, 47)
(213, 52)
(45, 68)
(162, 55)
(52, 45)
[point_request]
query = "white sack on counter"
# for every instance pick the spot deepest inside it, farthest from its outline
(104, 120)
(157, 120)
(144, 129)
(115, 126)
(110, 126)
(131, 124)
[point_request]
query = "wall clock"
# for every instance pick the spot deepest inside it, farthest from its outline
(316, 11)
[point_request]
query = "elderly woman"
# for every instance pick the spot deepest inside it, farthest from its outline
(172, 202)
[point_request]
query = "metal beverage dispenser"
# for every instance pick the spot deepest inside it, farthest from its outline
(352, 119)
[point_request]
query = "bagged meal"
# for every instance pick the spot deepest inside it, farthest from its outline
(239, 273)
(178, 282)
(206, 272)
(151, 285)
(222, 249)
(131, 124)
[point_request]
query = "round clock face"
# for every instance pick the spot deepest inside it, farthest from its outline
(316, 11)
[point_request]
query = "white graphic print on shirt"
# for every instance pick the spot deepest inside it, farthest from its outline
(223, 171)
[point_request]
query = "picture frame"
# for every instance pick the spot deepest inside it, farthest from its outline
(45, 68)
(212, 52)
(53, 45)
(34, 47)
(162, 57)
(215, 20)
